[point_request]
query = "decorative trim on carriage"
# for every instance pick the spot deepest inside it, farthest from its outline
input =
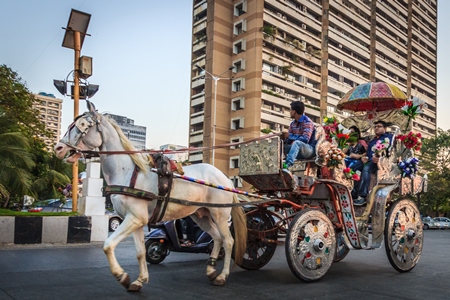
(348, 214)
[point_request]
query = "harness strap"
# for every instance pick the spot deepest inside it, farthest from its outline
(133, 192)
(134, 176)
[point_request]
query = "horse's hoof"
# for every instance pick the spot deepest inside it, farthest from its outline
(219, 282)
(135, 287)
(124, 280)
(212, 276)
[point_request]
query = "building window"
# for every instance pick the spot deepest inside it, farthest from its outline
(236, 139)
(237, 103)
(237, 181)
(239, 46)
(234, 162)
(239, 65)
(240, 27)
(237, 123)
(240, 8)
(238, 84)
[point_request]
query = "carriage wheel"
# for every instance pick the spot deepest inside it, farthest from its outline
(341, 247)
(310, 245)
(403, 235)
(260, 246)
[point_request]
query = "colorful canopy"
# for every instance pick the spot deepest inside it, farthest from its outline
(379, 96)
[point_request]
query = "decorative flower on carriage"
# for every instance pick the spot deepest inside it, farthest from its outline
(380, 147)
(335, 131)
(411, 140)
(334, 157)
(413, 107)
(409, 167)
(350, 174)
(330, 125)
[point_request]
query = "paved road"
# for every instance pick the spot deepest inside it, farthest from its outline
(81, 272)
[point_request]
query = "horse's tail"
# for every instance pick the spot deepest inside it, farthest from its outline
(240, 231)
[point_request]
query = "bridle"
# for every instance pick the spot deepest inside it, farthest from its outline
(83, 123)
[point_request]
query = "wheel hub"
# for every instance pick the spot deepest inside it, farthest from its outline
(318, 245)
(410, 234)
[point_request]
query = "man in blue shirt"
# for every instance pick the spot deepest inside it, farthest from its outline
(370, 162)
(300, 142)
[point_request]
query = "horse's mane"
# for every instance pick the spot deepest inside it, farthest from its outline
(139, 159)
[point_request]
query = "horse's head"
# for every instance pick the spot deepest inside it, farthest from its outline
(79, 136)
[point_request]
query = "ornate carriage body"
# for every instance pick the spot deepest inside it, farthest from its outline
(322, 223)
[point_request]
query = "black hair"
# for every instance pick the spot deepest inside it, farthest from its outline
(356, 129)
(385, 125)
(298, 106)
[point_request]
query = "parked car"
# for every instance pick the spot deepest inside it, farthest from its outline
(429, 223)
(445, 222)
(57, 206)
(114, 220)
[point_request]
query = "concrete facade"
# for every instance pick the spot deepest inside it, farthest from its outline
(314, 51)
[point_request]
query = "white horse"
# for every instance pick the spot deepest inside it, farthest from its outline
(91, 130)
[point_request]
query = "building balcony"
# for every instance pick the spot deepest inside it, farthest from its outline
(200, 8)
(198, 101)
(200, 45)
(348, 42)
(196, 138)
(199, 27)
(197, 120)
(424, 73)
(198, 82)
(196, 157)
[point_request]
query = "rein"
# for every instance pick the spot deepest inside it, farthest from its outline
(97, 153)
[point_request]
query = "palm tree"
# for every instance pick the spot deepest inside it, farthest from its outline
(15, 166)
(56, 175)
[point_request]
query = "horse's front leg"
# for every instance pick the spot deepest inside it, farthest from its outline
(128, 226)
(138, 236)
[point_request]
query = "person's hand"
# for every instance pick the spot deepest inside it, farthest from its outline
(284, 135)
(353, 155)
(375, 159)
(364, 159)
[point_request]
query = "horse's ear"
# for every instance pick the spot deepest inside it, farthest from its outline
(90, 106)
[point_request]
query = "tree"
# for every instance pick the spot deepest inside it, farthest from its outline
(15, 166)
(22, 148)
(435, 159)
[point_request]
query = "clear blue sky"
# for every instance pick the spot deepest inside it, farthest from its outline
(141, 51)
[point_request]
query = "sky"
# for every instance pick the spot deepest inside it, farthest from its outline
(141, 53)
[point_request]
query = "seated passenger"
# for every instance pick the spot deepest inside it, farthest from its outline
(300, 141)
(355, 152)
(371, 161)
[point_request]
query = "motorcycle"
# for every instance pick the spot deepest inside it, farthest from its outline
(164, 238)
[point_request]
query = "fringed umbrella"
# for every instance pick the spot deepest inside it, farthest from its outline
(372, 96)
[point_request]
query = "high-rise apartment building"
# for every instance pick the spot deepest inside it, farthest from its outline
(50, 113)
(309, 50)
(135, 133)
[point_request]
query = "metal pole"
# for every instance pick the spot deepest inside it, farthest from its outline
(214, 117)
(76, 99)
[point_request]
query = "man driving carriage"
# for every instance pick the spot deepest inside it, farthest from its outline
(300, 141)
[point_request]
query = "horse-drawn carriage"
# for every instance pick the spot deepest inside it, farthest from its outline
(317, 214)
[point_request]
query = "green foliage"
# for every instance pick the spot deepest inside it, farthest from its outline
(269, 30)
(24, 160)
(435, 160)
(266, 130)
(8, 212)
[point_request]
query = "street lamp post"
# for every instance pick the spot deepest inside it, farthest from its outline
(216, 79)
(73, 39)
